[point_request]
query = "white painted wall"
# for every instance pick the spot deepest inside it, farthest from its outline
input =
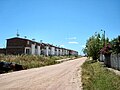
(49, 51)
(33, 49)
(61, 52)
(115, 61)
(66, 52)
(102, 57)
(57, 52)
(52, 50)
(38, 50)
(46, 50)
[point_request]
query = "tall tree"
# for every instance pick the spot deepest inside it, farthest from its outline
(93, 46)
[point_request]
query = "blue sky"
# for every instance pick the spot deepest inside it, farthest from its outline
(68, 23)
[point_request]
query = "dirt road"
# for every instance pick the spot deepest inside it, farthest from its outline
(64, 76)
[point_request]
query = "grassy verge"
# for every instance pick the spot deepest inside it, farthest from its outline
(32, 61)
(96, 77)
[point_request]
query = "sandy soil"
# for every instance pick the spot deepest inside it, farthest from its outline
(64, 76)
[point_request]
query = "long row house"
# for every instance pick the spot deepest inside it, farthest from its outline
(18, 45)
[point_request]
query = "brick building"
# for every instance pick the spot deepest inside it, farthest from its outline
(18, 45)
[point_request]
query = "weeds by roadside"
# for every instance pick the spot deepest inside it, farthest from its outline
(32, 61)
(96, 77)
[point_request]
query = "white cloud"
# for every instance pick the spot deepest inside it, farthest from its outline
(72, 38)
(62, 45)
(73, 42)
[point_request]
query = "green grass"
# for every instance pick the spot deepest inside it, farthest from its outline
(32, 61)
(96, 77)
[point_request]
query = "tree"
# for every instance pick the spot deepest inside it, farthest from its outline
(93, 46)
(116, 45)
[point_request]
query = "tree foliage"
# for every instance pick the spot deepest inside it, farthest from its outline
(116, 45)
(97, 44)
(93, 45)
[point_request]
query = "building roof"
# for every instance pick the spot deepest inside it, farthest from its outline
(23, 39)
(43, 44)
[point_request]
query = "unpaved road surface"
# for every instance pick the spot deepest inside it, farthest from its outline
(64, 76)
